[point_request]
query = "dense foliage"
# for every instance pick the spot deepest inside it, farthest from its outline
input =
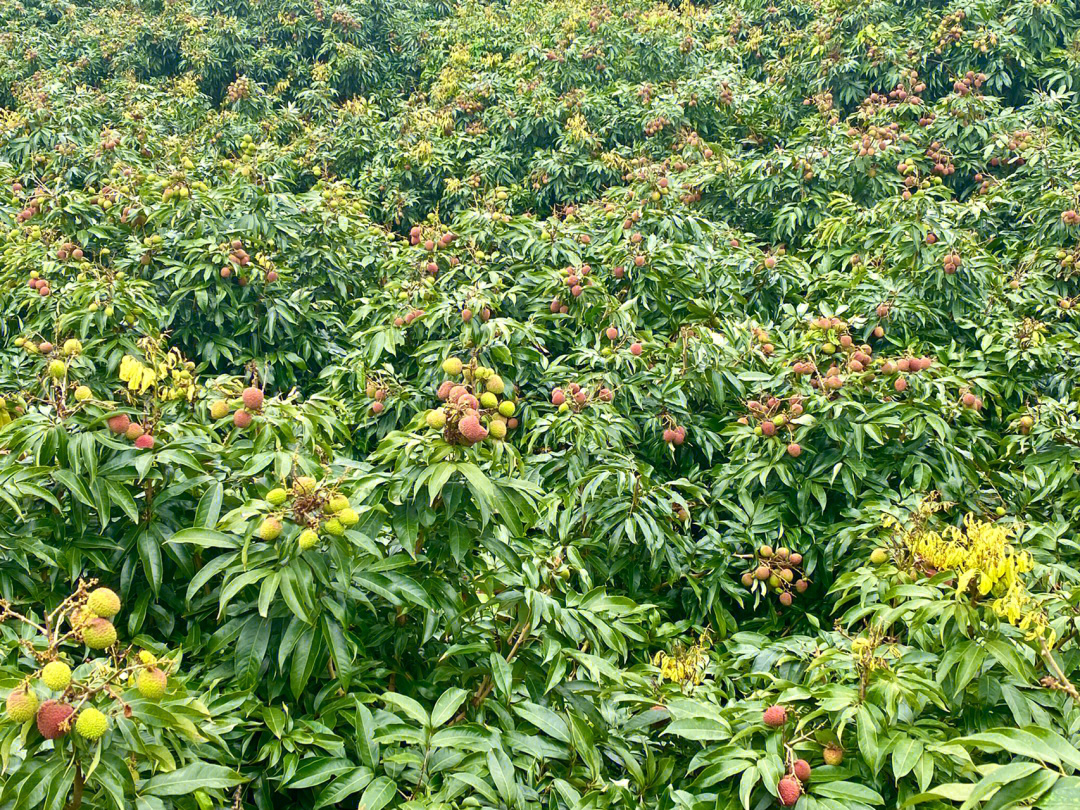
(522, 404)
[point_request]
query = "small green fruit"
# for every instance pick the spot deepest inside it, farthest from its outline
(507, 408)
(270, 529)
(308, 539)
(98, 633)
(488, 400)
(348, 517)
(91, 723)
(22, 705)
(436, 418)
(56, 675)
(277, 496)
(334, 527)
(337, 503)
(83, 393)
(879, 556)
(219, 409)
(452, 366)
(104, 603)
(495, 384)
(151, 683)
(57, 369)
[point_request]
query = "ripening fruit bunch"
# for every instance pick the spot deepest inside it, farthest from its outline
(480, 406)
(315, 508)
(572, 398)
(772, 417)
(69, 702)
(121, 425)
(378, 393)
(778, 571)
(246, 407)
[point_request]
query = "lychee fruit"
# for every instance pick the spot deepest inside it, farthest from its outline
(22, 704)
(834, 755)
(794, 450)
(452, 366)
(558, 397)
(253, 398)
(241, 419)
(134, 431)
(277, 496)
(789, 791)
(52, 719)
(119, 424)
(219, 409)
(103, 603)
(308, 539)
(436, 418)
(334, 527)
(151, 683)
(801, 769)
(270, 529)
(774, 716)
(145, 442)
(472, 430)
(56, 675)
(91, 723)
(98, 633)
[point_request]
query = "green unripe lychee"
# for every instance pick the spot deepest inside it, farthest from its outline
(337, 503)
(436, 418)
(91, 723)
(488, 400)
(104, 603)
(57, 369)
(305, 484)
(495, 384)
(348, 517)
(22, 705)
(270, 529)
(452, 366)
(879, 556)
(151, 683)
(497, 429)
(83, 393)
(98, 633)
(72, 347)
(56, 675)
(277, 496)
(219, 409)
(333, 526)
(308, 539)
(507, 408)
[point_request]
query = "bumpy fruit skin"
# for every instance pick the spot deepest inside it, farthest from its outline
(219, 409)
(151, 683)
(305, 484)
(119, 424)
(134, 431)
(56, 675)
(308, 539)
(452, 366)
(253, 399)
(98, 633)
(91, 723)
(241, 419)
(497, 429)
(72, 347)
(277, 496)
(104, 603)
(348, 516)
(57, 369)
(333, 526)
(489, 400)
(789, 790)
(774, 716)
(494, 384)
(507, 408)
(472, 430)
(436, 418)
(878, 556)
(22, 705)
(337, 503)
(51, 719)
(145, 442)
(833, 755)
(270, 529)
(801, 769)
(83, 393)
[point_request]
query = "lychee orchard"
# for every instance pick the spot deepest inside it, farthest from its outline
(539, 405)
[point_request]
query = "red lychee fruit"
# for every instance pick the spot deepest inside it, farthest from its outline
(466, 315)
(768, 429)
(51, 719)
(472, 430)
(253, 398)
(558, 397)
(900, 385)
(445, 389)
(635, 349)
(612, 333)
(794, 450)
(119, 424)
(786, 599)
(789, 791)
(774, 716)
(801, 769)
(377, 407)
(145, 442)
(241, 418)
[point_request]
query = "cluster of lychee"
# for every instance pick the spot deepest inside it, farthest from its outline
(951, 263)
(69, 250)
(121, 425)
(574, 398)
(779, 571)
(431, 245)
(791, 785)
(241, 259)
(773, 415)
(314, 507)
(377, 393)
(84, 617)
(36, 282)
(472, 409)
(251, 400)
(968, 82)
(676, 434)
